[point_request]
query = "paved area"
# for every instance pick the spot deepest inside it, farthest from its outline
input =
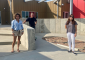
(6, 45)
(44, 50)
(7, 27)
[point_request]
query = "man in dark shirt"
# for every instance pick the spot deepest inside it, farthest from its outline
(32, 21)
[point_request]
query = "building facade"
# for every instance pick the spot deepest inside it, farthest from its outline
(43, 9)
(79, 8)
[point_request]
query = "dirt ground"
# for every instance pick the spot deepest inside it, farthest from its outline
(64, 41)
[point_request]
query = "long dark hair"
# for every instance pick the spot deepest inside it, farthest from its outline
(18, 15)
(73, 21)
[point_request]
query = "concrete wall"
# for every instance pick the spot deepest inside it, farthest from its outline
(28, 38)
(57, 26)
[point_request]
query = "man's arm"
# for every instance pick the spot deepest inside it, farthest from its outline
(24, 21)
(35, 22)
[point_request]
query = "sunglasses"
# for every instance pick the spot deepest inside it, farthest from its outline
(71, 16)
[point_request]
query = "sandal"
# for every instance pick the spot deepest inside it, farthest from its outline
(18, 50)
(12, 51)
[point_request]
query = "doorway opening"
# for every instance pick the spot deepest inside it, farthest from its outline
(65, 14)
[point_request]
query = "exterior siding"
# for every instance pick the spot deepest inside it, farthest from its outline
(65, 7)
(20, 5)
(51, 11)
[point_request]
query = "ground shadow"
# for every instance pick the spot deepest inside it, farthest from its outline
(7, 43)
(6, 34)
(31, 55)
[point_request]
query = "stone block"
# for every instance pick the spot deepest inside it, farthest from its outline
(58, 25)
(28, 38)
(63, 21)
(37, 29)
(53, 25)
(82, 29)
(46, 25)
(78, 26)
(41, 25)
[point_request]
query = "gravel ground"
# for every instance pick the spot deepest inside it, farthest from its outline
(64, 41)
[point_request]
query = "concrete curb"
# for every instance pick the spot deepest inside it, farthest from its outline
(76, 49)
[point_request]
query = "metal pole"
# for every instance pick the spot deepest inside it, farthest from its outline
(10, 10)
(57, 9)
(71, 7)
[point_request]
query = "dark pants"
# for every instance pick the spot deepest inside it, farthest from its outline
(33, 27)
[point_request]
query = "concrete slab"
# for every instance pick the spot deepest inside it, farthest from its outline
(58, 25)
(28, 38)
(78, 26)
(45, 51)
(5, 32)
(41, 25)
(63, 30)
(37, 30)
(6, 46)
(52, 25)
(46, 25)
(82, 27)
(5, 27)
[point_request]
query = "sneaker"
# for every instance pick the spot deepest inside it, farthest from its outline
(74, 53)
(70, 51)
(35, 38)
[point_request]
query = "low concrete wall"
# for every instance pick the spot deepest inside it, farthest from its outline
(57, 26)
(28, 38)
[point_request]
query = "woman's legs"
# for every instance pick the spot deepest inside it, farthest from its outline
(14, 40)
(18, 43)
(73, 41)
(69, 40)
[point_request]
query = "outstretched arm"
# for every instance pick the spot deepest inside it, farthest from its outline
(24, 21)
